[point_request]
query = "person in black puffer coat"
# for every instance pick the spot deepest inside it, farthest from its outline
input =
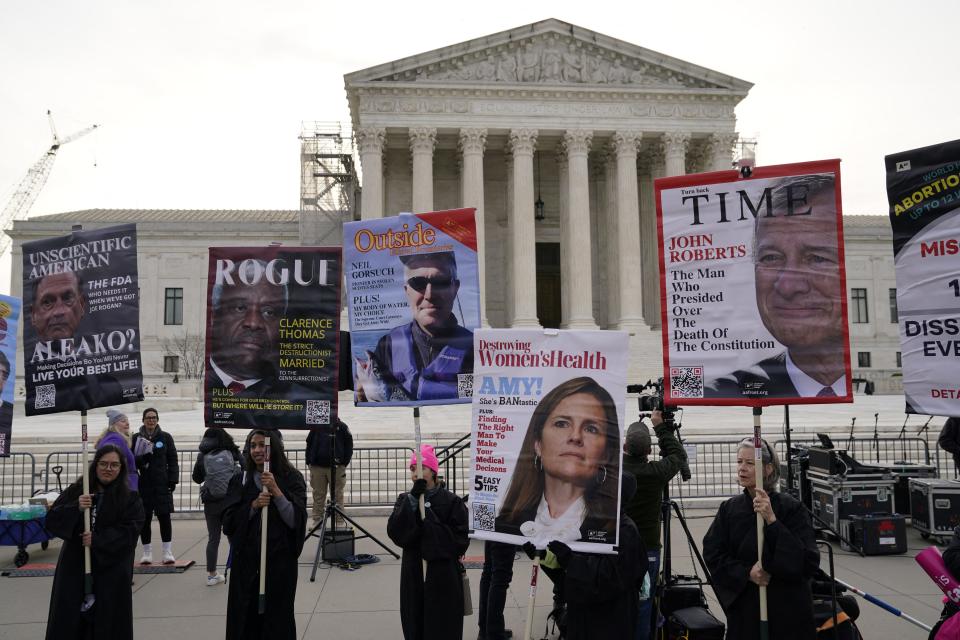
(156, 456)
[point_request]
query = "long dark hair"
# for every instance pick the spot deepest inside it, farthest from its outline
(526, 485)
(222, 440)
(116, 493)
(279, 464)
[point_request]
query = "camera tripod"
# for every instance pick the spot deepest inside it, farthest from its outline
(332, 510)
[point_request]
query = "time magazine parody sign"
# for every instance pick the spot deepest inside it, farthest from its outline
(752, 287)
(548, 420)
(923, 187)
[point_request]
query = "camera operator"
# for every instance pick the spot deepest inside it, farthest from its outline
(652, 476)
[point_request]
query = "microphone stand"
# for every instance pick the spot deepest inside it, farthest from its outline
(903, 442)
(925, 430)
(853, 421)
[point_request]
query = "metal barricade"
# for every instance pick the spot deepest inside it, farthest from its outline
(17, 478)
(874, 451)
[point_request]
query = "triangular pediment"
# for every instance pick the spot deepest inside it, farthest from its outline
(547, 53)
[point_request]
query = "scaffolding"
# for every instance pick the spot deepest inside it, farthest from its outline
(328, 169)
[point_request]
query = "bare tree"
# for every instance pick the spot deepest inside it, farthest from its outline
(189, 351)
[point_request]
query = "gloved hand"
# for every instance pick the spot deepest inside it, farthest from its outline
(419, 487)
(531, 551)
(562, 551)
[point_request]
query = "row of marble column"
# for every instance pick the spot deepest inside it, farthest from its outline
(623, 229)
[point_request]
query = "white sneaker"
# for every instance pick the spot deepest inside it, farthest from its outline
(147, 557)
(214, 580)
(168, 556)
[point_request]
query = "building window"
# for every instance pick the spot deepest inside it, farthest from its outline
(863, 358)
(860, 313)
(171, 364)
(899, 360)
(173, 306)
(894, 316)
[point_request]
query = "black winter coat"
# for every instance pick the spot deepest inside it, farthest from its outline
(432, 607)
(790, 556)
(949, 439)
(283, 549)
(115, 531)
(600, 590)
(318, 446)
(159, 470)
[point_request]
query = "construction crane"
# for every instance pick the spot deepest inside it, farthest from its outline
(32, 183)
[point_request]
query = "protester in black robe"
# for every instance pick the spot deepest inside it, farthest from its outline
(284, 494)
(599, 590)
(431, 608)
(116, 519)
(790, 555)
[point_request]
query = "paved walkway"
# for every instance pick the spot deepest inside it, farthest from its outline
(364, 604)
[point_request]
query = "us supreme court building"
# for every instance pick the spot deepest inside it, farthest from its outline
(554, 133)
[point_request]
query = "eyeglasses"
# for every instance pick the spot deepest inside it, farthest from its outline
(151, 418)
(108, 466)
(420, 283)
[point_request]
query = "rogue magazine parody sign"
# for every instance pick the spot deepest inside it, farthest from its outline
(81, 337)
(548, 419)
(273, 316)
(752, 287)
(923, 187)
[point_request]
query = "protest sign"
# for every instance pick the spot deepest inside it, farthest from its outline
(752, 286)
(273, 316)
(9, 322)
(81, 344)
(548, 414)
(414, 298)
(923, 188)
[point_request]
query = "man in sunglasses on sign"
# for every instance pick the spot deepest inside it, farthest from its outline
(423, 359)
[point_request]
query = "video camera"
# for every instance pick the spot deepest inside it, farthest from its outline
(654, 401)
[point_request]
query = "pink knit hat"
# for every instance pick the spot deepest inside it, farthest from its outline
(429, 458)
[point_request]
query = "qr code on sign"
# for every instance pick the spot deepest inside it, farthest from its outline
(318, 412)
(686, 382)
(46, 397)
(483, 515)
(464, 385)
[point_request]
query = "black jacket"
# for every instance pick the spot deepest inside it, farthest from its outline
(284, 545)
(159, 470)
(790, 555)
(318, 446)
(949, 439)
(115, 530)
(432, 606)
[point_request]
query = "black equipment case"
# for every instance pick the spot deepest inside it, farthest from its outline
(694, 623)
(338, 544)
(878, 534)
(904, 472)
(934, 506)
(836, 498)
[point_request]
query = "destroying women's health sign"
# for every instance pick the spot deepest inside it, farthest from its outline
(548, 415)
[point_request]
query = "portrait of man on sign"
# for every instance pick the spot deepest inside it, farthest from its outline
(59, 305)
(422, 359)
(244, 334)
(797, 275)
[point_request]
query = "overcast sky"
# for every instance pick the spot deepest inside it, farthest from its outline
(200, 102)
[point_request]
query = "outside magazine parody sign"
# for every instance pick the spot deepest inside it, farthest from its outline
(272, 337)
(81, 338)
(752, 287)
(923, 187)
(9, 322)
(414, 298)
(548, 416)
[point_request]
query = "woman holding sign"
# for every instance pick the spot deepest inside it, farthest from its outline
(116, 518)
(567, 476)
(280, 495)
(790, 554)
